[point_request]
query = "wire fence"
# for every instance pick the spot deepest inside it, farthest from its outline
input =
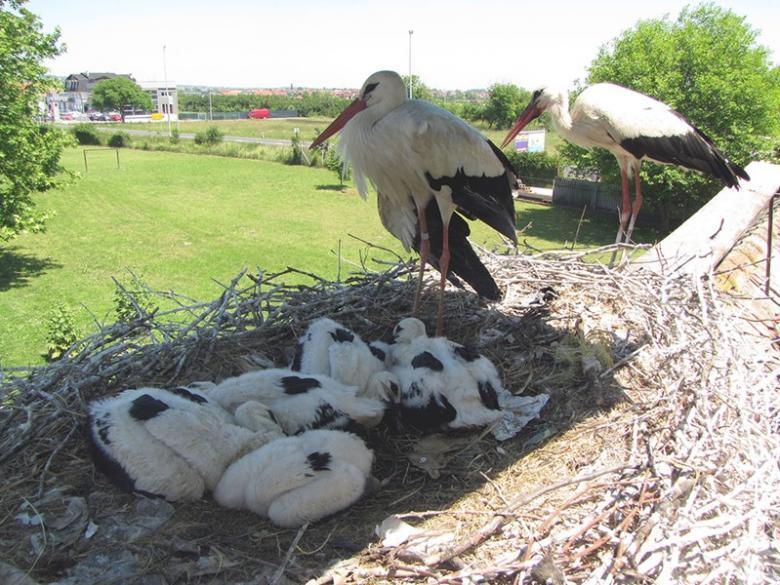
(205, 116)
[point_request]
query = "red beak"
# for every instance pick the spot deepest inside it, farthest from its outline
(531, 112)
(357, 106)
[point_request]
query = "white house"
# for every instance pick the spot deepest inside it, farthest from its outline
(78, 91)
(164, 98)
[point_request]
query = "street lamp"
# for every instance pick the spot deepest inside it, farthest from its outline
(411, 83)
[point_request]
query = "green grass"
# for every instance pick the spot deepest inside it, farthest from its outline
(283, 128)
(277, 128)
(179, 221)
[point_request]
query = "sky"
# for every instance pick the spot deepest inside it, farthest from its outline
(338, 43)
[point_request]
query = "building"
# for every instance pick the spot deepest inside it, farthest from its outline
(165, 99)
(78, 91)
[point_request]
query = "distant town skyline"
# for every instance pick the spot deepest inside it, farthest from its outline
(456, 45)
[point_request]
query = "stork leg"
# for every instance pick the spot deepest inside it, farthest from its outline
(425, 250)
(624, 209)
(444, 266)
(637, 203)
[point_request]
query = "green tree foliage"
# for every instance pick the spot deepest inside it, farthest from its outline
(534, 165)
(707, 65)
(29, 151)
(420, 91)
(505, 102)
(118, 92)
(312, 103)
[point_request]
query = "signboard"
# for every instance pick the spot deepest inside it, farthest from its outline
(530, 141)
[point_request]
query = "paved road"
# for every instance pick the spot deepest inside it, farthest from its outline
(190, 136)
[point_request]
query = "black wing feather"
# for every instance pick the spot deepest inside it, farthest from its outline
(486, 198)
(692, 150)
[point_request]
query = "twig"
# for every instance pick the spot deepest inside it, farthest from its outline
(286, 561)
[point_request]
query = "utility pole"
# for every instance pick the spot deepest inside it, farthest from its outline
(411, 83)
(167, 94)
(211, 114)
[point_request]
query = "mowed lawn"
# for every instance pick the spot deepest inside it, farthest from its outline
(280, 128)
(276, 128)
(182, 221)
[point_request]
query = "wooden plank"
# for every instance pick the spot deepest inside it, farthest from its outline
(699, 244)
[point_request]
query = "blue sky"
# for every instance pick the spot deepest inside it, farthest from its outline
(455, 45)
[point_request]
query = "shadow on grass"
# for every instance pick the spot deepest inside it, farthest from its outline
(17, 268)
(341, 188)
(560, 224)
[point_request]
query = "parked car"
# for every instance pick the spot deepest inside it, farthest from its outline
(115, 117)
(98, 117)
(259, 113)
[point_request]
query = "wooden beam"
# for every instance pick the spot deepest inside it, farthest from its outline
(699, 244)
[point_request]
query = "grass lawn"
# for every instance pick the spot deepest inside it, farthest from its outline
(179, 221)
(281, 128)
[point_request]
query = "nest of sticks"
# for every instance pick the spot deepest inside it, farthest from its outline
(655, 459)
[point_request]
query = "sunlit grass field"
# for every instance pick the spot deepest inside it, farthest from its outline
(182, 222)
(276, 128)
(282, 128)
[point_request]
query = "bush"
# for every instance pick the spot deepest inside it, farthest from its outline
(209, 137)
(296, 156)
(119, 140)
(86, 134)
(174, 138)
(61, 332)
(132, 301)
(334, 163)
(534, 165)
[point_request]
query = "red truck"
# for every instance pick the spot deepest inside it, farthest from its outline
(259, 113)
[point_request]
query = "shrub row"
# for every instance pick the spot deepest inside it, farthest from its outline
(87, 134)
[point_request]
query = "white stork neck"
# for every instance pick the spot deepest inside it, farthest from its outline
(561, 117)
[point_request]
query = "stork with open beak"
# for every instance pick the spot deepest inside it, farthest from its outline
(427, 164)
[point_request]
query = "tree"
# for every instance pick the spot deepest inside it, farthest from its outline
(707, 66)
(420, 91)
(118, 92)
(505, 102)
(29, 151)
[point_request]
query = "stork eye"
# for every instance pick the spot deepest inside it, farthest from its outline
(369, 88)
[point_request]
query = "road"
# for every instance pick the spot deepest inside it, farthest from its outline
(190, 136)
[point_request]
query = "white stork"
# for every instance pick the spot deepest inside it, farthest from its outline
(301, 402)
(169, 443)
(426, 164)
(633, 127)
(444, 385)
(294, 480)
(330, 349)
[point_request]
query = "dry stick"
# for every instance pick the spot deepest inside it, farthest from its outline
(502, 516)
(579, 225)
(51, 458)
(280, 571)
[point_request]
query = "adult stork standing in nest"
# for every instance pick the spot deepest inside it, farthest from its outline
(633, 127)
(427, 164)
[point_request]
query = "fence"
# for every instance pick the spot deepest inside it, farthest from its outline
(233, 115)
(599, 197)
(577, 193)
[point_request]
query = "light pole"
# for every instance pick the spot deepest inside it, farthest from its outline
(167, 94)
(411, 83)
